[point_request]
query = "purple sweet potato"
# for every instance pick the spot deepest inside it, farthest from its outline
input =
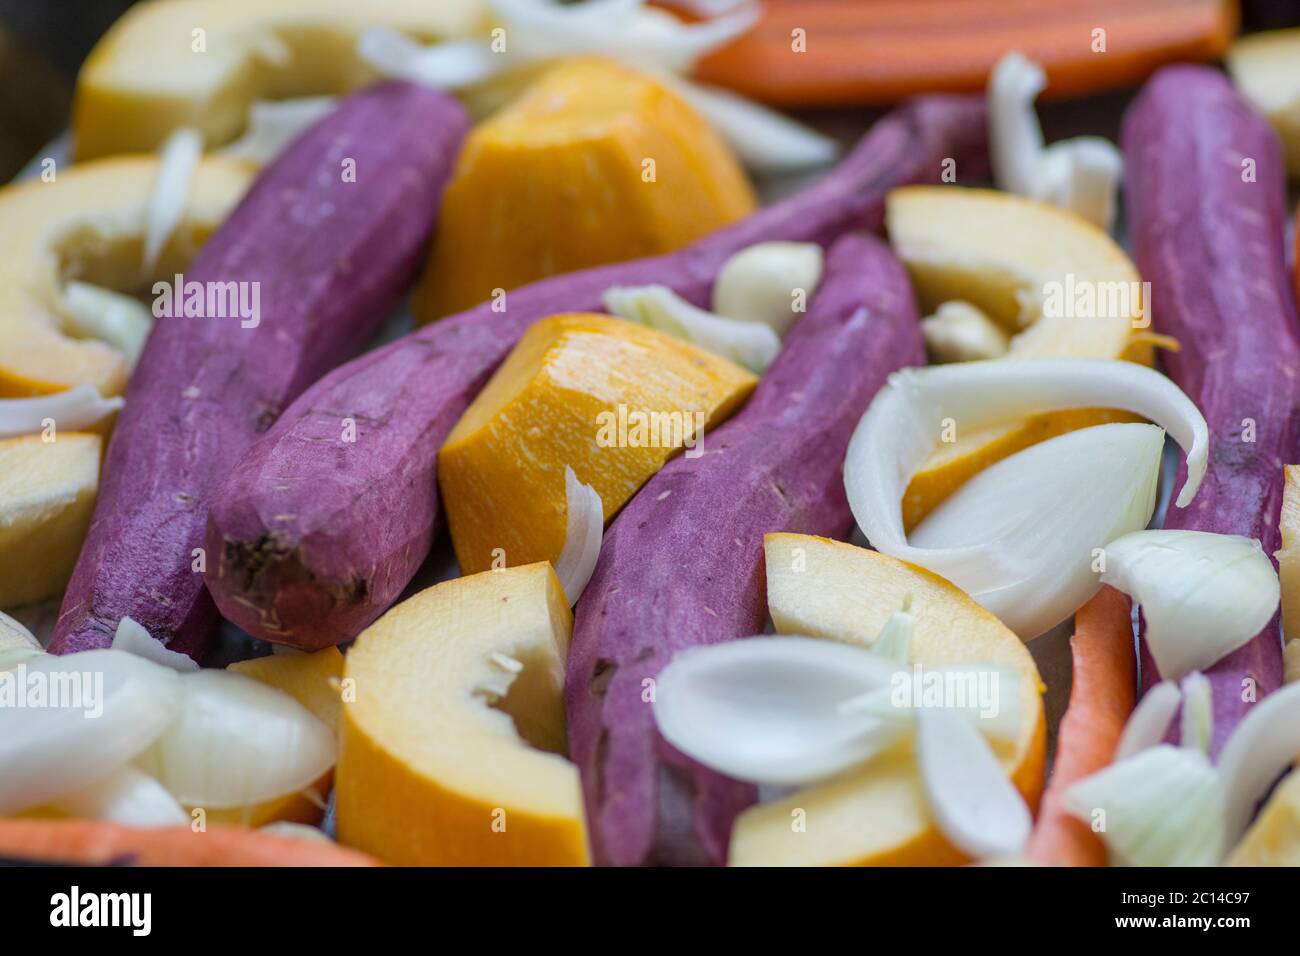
(313, 538)
(1206, 198)
(682, 565)
(328, 255)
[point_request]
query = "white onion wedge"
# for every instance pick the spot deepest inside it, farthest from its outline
(768, 709)
(237, 742)
(585, 531)
(166, 207)
(134, 639)
(760, 283)
(1197, 725)
(1108, 475)
(917, 407)
(1203, 595)
(112, 706)
(973, 802)
(1163, 807)
(1261, 748)
(128, 797)
(274, 124)
(120, 320)
(74, 409)
(1147, 725)
(751, 344)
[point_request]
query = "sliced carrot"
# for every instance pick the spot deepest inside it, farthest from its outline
(1102, 695)
(853, 52)
(90, 843)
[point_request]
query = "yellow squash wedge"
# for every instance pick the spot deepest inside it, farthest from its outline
(202, 64)
(47, 494)
(876, 815)
(611, 399)
(594, 163)
(1057, 281)
(453, 728)
(88, 224)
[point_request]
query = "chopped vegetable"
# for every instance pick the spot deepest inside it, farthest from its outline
(1202, 595)
(451, 753)
(319, 552)
(74, 409)
(750, 344)
(101, 844)
(313, 680)
(594, 163)
(774, 466)
(47, 494)
(314, 258)
(611, 399)
(584, 515)
(180, 158)
(1081, 175)
(844, 53)
(769, 282)
(1103, 687)
(1006, 557)
(959, 332)
(1263, 66)
(1205, 191)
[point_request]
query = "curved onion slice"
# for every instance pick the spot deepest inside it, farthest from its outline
(17, 644)
(120, 320)
(911, 414)
(1108, 474)
(751, 344)
(110, 707)
(1197, 726)
(274, 124)
(586, 530)
(1149, 722)
(134, 639)
(71, 410)
(768, 709)
(180, 157)
(1203, 595)
(128, 797)
(1264, 744)
(974, 803)
(237, 742)
(1163, 807)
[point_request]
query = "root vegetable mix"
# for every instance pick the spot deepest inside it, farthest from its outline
(682, 566)
(312, 538)
(322, 248)
(1206, 194)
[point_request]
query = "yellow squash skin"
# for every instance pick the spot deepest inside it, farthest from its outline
(501, 469)
(47, 494)
(453, 728)
(146, 77)
(560, 179)
(999, 251)
(876, 815)
(88, 224)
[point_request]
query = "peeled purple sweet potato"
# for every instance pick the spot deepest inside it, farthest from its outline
(1206, 198)
(682, 565)
(313, 538)
(326, 243)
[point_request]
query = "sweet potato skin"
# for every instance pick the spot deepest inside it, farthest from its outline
(332, 255)
(1209, 239)
(313, 539)
(682, 565)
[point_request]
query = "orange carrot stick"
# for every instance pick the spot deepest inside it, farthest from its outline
(1102, 695)
(91, 843)
(851, 52)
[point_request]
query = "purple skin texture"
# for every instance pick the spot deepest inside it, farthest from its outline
(682, 565)
(312, 539)
(1211, 245)
(333, 259)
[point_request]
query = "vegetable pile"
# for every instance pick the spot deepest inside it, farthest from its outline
(755, 509)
